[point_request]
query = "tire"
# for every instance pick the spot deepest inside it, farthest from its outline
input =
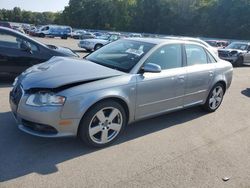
(214, 98)
(42, 35)
(64, 37)
(239, 62)
(102, 124)
(98, 46)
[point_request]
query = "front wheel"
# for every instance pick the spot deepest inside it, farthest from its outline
(239, 62)
(102, 124)
(215, 98)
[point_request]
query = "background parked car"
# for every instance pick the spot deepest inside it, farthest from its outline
(18, 52)
(96, 43)
(134, 35)
(54, 31)
(18, 28)
(78, 33)
(87, 35)
(217, 43)
(238, 53)
(5, 24)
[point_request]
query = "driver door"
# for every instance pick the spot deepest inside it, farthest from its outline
(162, 92)
(14, 59)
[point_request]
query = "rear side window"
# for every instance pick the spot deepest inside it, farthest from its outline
(167, 57)
(195, 55)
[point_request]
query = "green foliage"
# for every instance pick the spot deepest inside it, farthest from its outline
(212, 18)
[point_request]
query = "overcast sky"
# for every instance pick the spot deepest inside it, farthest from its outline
(35, 5)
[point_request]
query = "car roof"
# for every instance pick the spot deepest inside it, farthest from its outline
(159, 40)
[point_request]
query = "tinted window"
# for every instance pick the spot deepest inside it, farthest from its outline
(195, 55)
(168, 57)
(122, 55)
(12, 41)
(8, 41)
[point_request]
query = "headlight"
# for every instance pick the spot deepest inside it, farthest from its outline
(235, 55)
(15, 81)
(45, 99)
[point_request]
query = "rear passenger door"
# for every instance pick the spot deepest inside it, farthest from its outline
(200, 73)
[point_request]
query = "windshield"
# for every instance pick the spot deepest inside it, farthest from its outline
(122, 55)
(238, 46)
(212, 43)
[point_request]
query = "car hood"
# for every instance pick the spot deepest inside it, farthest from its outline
(231, 50)
(62, 71)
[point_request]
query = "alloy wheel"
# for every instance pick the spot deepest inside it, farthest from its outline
(216, 97)
(105, 125)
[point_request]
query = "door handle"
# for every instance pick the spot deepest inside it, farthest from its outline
(211, 73)
(181, 77)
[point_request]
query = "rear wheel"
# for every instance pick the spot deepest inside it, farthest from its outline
(103, 124)
(98, 46)
(64, 37)
(215, 98)
(42, 35)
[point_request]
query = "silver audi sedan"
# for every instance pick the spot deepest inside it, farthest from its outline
(125, 81)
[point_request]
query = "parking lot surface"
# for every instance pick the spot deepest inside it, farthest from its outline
(189, 148)
(69, 43)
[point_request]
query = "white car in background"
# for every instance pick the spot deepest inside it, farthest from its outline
(96, 43)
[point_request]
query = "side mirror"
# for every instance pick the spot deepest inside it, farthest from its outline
(151, 67)
(25, 46)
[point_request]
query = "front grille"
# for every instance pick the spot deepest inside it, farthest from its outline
(16, 94)
(39, 128)
(223, 54)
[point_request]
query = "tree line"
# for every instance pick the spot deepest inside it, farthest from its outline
(211, 18)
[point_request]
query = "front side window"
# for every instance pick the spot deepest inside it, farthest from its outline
(14, 42)
(122, 55)
(195, 55)
(8, 41)
(167, 57)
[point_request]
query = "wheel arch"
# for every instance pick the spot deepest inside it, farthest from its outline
(223, 83)
(117, 99)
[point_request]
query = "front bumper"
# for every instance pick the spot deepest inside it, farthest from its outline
(42, 121)
(230, 59)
